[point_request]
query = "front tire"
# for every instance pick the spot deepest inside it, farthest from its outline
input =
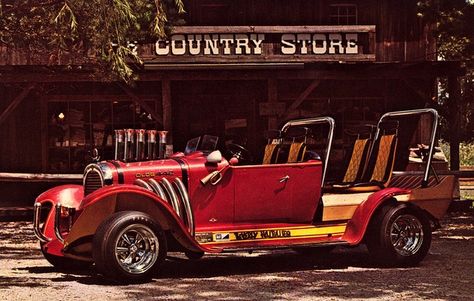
(64, 263)
(128, 247)
(399, 236)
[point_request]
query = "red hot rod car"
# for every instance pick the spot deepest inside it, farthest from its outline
(127, 215)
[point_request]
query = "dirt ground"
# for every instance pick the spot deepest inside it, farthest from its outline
(447, 273)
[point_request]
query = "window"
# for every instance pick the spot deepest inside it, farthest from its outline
(75, 127)
(343, 14)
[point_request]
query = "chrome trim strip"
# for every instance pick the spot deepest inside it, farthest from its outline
(173, 196)
(57, 221)
(187, 205)
(433, 133)
(90, 168)
(36, 224)
(316, 120)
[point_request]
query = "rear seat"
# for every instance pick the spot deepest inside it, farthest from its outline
(377, 174)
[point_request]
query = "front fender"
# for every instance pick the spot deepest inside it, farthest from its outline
(97, 206)
(357, 225)
(67, 195)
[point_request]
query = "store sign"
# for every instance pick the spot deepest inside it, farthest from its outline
(257, 44)
(253, 44)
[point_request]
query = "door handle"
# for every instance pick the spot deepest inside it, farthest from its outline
(284, 179)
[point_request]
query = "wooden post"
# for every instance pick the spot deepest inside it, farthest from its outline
(272, 97)
(454, 90)
(44, 133)
(167, 108)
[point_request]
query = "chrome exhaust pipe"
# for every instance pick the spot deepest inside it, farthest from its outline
(140, 145)
(162, 144)
(151, 144)
(129, 145)
(183, 194)
(173, 196)
(119, 145)
(158, 189)
(36, 224)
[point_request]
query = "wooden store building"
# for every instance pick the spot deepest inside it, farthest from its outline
(235, 69)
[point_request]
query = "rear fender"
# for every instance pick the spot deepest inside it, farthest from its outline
(357, 225)
(102, 203)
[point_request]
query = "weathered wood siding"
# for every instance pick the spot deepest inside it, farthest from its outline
(401, 35)
(20, 133)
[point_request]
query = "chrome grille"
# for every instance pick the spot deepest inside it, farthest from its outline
(93, 179)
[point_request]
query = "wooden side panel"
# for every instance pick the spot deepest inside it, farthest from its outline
(20, 133)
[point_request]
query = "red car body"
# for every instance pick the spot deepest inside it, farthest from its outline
(250, 207)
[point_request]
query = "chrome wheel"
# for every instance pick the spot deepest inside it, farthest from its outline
(137, 248)
(406, 234)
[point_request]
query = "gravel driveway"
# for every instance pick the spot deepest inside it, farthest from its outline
(447, 273)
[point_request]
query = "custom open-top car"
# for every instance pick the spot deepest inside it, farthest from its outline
(127, 215)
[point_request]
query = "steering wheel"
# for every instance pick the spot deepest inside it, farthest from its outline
(239, 152)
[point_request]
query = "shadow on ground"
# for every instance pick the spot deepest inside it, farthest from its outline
(446, 273)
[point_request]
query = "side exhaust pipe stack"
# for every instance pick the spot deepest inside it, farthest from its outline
(175, 194)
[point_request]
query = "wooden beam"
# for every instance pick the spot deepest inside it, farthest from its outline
(15, 102)
(245, 61)
(39, 177)
(272, 97)
(302, 97)
(142, 103)
(272, 29)
(167, 108)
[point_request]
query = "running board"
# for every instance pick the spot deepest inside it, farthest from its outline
(263, 248)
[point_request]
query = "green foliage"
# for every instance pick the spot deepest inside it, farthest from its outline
(455, 37)
(466, 152)
(102, 33)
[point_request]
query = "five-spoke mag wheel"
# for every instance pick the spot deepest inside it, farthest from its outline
(137, 248)
(129, 246)
(399, 235)
(406, 234)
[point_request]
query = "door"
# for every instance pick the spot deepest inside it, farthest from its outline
(276, 193)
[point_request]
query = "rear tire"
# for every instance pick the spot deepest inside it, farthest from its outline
(399, 236)
(128, 246)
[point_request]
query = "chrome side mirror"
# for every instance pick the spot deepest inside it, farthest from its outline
(214, 157)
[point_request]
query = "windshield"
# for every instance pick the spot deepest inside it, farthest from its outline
(205, 144)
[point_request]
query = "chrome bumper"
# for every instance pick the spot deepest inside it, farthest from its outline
(36, 224)
(59, 210)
